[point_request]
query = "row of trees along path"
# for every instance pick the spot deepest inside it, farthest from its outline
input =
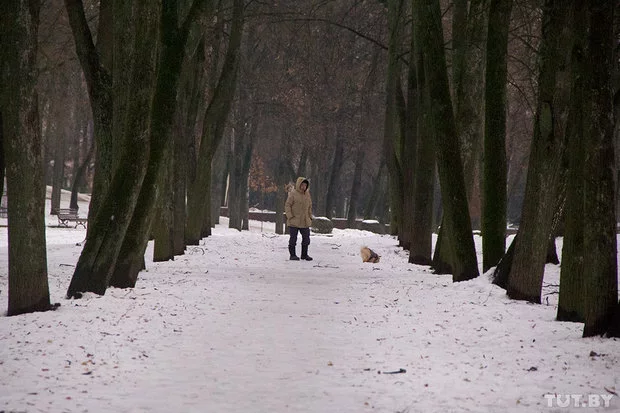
(168, 82)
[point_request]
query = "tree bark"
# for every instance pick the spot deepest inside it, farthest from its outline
(459, 44)
(454, 197)
(570, 304)
(220, 181)
(494, 200)
(547, 152)
(163, 226)
(392, 128)
(355, 187)
(79, 177)
(28, 285)
(109, 227)
(334, 176)
(421, 237)
(118, 57)
(371, 205)
(99, 85)
(192, 84)
(172, 42)
(242, 139)
(469, 90)
(213, 130)
(245, 175)
(59, 167)
(2, 158)
(599, 238)
(410, 110)
(442, 257)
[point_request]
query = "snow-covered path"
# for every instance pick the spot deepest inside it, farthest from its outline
(233, 326)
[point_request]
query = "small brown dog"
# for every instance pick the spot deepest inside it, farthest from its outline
(369, 255)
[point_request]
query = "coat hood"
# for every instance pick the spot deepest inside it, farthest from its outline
(300, 181)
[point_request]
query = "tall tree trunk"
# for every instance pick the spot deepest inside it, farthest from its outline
(459, 44)
(221, 165)
(172, 42)
(118, 57)
(334, 177)
(179, 188)
(364, 125)
(392, 122)
(280, 197)
(242, 140)
(303, 162)
(213, 130)
(570, 304)
(409, 149)
(547, 152)
(245, 208)
(80, 177)
(2, 158)
(99, 85)
(192, 85)
(355, 188)
(421, 237)
(109, 227)
(494, 199)
(59, 167)
(28, 285)
(469, 104)
(235, 178)
(599, 238)
(454, 197)
(442, 257)
(371, 205)
(163, 227)
(245, 173)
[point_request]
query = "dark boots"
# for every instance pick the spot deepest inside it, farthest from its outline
(291, 251)
(304, 253)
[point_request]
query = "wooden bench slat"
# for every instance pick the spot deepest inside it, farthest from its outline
(66, 215)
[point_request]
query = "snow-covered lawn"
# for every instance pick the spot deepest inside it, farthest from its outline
(234, 326)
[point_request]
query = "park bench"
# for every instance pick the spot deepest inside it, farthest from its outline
(67, 215)
(4, 213)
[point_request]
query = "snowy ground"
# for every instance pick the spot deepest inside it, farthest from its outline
(233, 326)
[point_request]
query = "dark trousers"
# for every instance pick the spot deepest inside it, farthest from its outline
(305, 236)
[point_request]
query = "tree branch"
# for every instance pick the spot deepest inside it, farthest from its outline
(84, 45)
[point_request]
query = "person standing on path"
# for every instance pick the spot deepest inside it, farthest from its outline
(298, 209)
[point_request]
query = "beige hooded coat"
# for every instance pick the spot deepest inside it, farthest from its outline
(298, 206)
